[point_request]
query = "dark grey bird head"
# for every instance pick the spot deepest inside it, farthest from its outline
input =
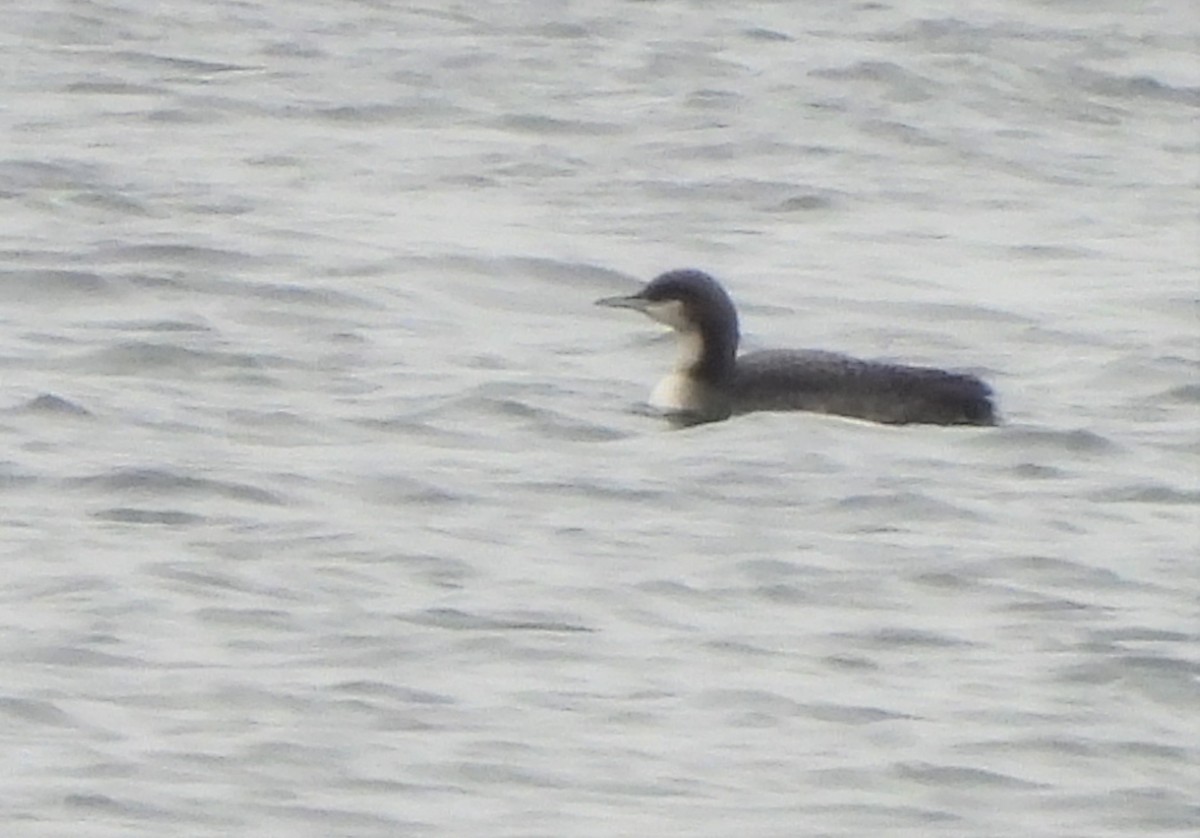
(687, 301)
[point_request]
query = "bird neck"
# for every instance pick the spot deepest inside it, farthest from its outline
(708, 354)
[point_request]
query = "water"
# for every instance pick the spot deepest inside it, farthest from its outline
(328, 508)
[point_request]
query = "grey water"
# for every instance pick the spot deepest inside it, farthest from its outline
(328, 505)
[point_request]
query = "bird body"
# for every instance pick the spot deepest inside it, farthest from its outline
(711, 381)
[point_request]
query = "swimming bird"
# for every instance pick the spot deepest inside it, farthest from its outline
(711, 381)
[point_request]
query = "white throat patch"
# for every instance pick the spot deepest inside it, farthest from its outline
(678, 391)
(690, 349)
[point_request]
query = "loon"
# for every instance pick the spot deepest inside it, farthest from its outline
(712, 382)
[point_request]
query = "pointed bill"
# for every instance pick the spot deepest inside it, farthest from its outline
(633, 301)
